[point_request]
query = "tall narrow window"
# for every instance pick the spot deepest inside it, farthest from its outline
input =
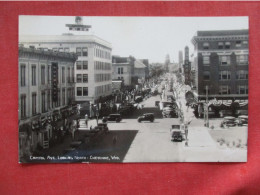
(85, 78)
(68, 75)
(85, 91)
(79, 78)
(34, 111)
(79, 65)
(238, 43)
(78, 51)
(43, 102)
(48, 99)
(63, 96)
(79, 91)
(33, 75)
(220, 45)
(23, 106)
(85, 65)
(22, 75)
(63, 75)
(85, 51)
(42, 75)
(49, 74)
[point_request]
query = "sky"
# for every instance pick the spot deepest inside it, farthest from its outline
(142, 37)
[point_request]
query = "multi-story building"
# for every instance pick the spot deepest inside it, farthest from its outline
(180, 61)
(92, 68)
(187, 67)
(221, 64)
(130, 70)
(46, 85)
(123, 69)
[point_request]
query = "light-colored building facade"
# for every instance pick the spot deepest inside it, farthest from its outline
(92, 68)
(38, 97)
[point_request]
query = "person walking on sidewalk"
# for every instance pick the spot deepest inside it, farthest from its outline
(86, 120)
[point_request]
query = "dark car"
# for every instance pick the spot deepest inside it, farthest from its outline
(169, 112)
(146, 117)
(112, 117)
(100, 127)
(177, 134)
(138, 99)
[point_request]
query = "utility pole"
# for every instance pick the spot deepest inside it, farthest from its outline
(207, 107)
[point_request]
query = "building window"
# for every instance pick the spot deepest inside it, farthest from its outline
(120, 70)
(22, 72)
(43, 102)
(79, 78)
(68, 75)
(224, 75)
(242, 59)
(206, 60)
(224, 60)
(242, 89)
(206, 45)
(85, 51)
(85, 65)
(245, 43)
(206, 75)
(33, 75)
(55, 49)
(61, 50)
(79, 65)
(49, 74)
(85, 91)
(221, 45)
(227, 45)
(48, 99)
(42, 75)
(85, 78)
(79, 91)
(63, 75)
(242, 74)
(34, 111)
(224, 89)
(66, 49)
(238, 43)
(63, 96)
(23, 106)
(78, 51)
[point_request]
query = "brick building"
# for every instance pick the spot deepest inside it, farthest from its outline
(221, 64)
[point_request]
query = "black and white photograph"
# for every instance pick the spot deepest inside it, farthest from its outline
(98, 89)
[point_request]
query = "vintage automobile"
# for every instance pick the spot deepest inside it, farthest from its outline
(169, 112)
(112, 117)
(146, 117)
(228, 121)
(177, 133)
(100, 127)
(242, 120)
(138, 99)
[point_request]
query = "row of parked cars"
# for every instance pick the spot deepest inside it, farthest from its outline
(230, 121)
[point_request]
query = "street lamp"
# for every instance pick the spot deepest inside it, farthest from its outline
(206, 111)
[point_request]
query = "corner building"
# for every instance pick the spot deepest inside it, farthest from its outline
(221, 64)
(92, 68)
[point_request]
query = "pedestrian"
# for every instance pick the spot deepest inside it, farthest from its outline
(114, 139)
(186, 131)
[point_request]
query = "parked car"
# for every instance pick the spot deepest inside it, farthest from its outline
(228, 121)
(146, 117)
(112, 117)
(100, 127)
(138, 99)
(242, 120)
(177, 134)
(169, 112)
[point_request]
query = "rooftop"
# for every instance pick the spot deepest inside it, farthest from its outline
(222, 32)
(65, 38)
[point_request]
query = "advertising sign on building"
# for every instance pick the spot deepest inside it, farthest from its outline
(54, 78)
